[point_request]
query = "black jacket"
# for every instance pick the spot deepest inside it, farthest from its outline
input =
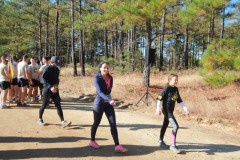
(50, 77)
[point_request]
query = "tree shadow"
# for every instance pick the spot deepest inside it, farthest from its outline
(78, 152)
(210, 149)
(124, 125)
(42, 140)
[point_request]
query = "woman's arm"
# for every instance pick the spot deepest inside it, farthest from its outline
(99, 92)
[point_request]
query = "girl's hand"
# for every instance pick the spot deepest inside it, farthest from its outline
(187, 113)
(158, 113)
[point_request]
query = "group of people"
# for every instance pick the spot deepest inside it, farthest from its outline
(17, 78)
(27, 79)
(103, 103)
(21, 80)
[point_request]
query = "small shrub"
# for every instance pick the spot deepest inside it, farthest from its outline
(91, 68)
(221, 78)
(120, 69)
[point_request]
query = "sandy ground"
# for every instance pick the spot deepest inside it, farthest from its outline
(22, 138)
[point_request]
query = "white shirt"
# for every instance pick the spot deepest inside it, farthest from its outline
(3, 72)
(22, 68)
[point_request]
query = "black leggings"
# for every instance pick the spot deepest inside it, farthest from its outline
(56, 99)
(169, 117)
(110, 113)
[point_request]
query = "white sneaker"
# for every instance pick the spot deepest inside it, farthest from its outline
(40, 122)
(175, 149)
(65, 123)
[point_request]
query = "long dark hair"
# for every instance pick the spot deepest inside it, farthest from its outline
(100, 65)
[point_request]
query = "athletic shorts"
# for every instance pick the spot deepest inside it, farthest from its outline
(14, 81)
(22, 82)
(40, 86)
(4, 85)
(35, 83)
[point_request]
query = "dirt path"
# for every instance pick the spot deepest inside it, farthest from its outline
(22, 138)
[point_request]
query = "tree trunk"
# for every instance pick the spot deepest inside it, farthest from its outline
(162, 29)
(185, 51)
(47, 31)
(73, 46)
(106, 42)
(146, 75)
(81, 47)
(223, 23)
(116, 42)
(121, 40)
(211, 28)
(133, 47)
(56, 30)
(40, 30)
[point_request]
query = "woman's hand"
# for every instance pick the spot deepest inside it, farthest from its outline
(112, 103)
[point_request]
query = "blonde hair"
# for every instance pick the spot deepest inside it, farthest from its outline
(171, 76)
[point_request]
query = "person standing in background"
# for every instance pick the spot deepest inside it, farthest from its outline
(45, 62)
(33, 87)
(13, 92)
(23, 81)
(5, 78)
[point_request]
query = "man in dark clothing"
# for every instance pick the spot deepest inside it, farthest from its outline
(50, 90)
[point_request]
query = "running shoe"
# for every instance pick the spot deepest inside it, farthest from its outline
(163, 145)
(121, 149)
(19, 104)
(12, 100)
(3, 106)
(24, 105)
(65, 124)
(94, 144)
(40, 122)
(175, 149)
(29, 100)
(34, 100)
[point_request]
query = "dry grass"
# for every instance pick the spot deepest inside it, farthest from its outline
(216, 105)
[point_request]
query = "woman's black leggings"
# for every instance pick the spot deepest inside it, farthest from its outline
(110, 113)
(169, 117)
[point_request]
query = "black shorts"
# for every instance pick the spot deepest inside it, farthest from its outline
(40, 86)
(35, 83)
(22, 82)
(4, 85)
(14, 81)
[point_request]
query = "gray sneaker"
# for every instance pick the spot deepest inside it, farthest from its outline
(40, 122)
(65, 124)
(175, 149)
(4, 106)
(163, 145)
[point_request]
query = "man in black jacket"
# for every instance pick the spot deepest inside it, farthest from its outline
(50, 90)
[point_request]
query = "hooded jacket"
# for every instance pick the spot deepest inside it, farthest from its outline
(103, 89)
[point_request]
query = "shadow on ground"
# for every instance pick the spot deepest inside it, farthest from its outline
(210, 149)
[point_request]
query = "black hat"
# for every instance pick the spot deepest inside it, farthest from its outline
(56, 60)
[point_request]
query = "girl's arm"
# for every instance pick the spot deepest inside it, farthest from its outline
(159, 107)
(184, 108)
(179, 100)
